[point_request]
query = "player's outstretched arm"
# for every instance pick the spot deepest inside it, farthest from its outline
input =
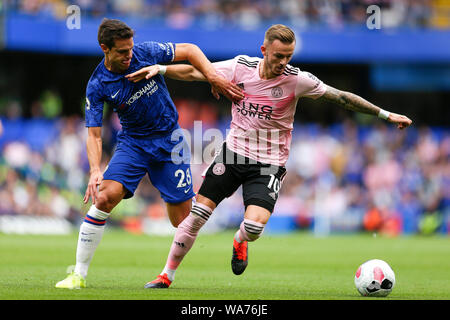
(183, 72)
(196, 57)
(94, 153)
(351, 101)
(187, 72)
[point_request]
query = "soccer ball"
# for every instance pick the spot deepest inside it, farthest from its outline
(374, 278)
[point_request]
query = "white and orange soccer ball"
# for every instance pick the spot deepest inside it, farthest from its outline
(374, 278)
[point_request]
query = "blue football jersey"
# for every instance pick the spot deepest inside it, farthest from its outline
(144, 108)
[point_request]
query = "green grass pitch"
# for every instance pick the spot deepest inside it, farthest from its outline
(297, 266)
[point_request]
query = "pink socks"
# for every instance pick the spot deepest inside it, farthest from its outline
(186, 234)
(249, 231)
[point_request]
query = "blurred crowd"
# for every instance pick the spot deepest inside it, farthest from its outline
(250, 14)
(374, 178)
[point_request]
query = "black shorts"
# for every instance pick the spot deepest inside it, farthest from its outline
(260, 182)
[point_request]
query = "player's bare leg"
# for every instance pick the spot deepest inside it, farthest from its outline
(184, 239)
(257, 214)
(177, 212)
(110, 194)
(91, 231)
(255, 219)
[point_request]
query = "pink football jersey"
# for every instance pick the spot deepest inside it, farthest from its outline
(262, 123)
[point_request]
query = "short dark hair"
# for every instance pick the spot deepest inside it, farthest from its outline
(112, 29)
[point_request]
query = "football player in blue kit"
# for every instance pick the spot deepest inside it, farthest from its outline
(145, 144)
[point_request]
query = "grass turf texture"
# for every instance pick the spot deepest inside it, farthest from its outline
(281, 267)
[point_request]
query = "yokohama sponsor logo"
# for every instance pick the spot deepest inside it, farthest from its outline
(148, 89)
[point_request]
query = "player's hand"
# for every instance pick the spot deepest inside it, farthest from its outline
(215, 93)
(401, 120)
(144, 73)
(92, 189)
(230, 90)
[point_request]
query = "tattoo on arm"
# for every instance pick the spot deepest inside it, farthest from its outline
(350, 101)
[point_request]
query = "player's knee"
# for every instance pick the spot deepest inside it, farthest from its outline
(251, 230)
(105, 202)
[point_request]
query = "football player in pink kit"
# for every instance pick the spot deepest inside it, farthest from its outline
(257, 146)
